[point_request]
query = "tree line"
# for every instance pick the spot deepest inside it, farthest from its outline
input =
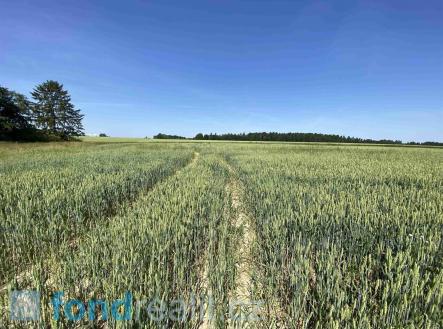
(302, 137)
(165, 136)
(49, 115)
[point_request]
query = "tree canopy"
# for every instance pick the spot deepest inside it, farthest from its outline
(14, 111)
(51, 115)
(165, 136)
(300, 137)
(54, 111)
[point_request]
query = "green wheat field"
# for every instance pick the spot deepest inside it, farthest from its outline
(245, 235)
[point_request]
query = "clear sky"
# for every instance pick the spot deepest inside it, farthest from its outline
(370, 69)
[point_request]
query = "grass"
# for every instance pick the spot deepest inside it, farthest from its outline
(348, 237)
(113, 139)
(338, 236)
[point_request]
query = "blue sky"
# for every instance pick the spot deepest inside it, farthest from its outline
(369, 69)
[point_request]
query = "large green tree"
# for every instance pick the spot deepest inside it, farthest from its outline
(14, 111)
(54, 111)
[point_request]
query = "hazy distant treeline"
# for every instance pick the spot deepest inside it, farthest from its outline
(302, 137)
(165, 136)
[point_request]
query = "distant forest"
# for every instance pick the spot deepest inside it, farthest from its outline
(293, 137)
(302, 137)
(164, 136)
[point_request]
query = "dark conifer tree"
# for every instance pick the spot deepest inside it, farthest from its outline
(54, 111)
